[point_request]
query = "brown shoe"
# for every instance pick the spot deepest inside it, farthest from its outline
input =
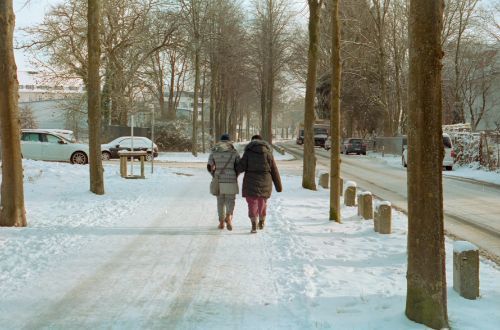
(262, 222)
(221, 224)
(254, 225)
(229, 221)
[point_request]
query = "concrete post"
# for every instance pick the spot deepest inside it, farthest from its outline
(359, 203)
(323, 180)
(383, 218)
(367, 206)
(350, 194)
(466, 269)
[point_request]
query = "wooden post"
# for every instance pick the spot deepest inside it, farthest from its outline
(123, 167)
(350, 194)
(341, 187)
(142, 167)
(466, 269)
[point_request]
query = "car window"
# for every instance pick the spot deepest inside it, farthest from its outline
(126, 143)
(33, 137)
(446, 142)
(51, 138)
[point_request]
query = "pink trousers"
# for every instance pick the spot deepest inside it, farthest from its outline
(256, 207)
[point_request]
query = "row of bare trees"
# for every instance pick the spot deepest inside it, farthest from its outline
(426, 300)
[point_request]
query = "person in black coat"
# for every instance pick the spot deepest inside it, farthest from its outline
(261, 173)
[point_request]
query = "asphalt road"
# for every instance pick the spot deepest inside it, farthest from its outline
(471, 208)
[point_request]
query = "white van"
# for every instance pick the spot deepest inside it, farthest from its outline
(449, 153)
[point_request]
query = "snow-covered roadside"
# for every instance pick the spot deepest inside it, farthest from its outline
(313, 273)
(346, 276)
(467, 172)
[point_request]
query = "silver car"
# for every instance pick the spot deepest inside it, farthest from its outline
(39, 144)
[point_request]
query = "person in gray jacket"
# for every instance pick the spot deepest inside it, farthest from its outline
(222, 162)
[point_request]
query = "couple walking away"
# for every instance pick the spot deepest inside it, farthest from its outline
(260, 170)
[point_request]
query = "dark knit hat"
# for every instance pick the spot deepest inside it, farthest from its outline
(225, 137)
(256, 137)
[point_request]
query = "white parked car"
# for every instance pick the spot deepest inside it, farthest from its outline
(449, 153)
(110, 150)
(40, 144)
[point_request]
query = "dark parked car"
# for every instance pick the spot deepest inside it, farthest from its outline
(353, 146)
(110, 150)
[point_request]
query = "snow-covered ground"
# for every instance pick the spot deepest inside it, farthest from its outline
(467, 172)
(147, 255)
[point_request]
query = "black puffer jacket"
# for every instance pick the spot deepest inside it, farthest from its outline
(260, 170)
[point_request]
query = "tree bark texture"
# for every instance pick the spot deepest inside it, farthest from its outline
(426, 279)
(309, 165)
(194, 148)
(93, 94)
(335, 115)
(12, 212)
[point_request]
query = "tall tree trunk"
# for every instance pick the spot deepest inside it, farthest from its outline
(426, 277)
(171, 113)
(335, 116)
(309, 164)
(203, 112)
(12, 211)
(94, 94)
(194, 141)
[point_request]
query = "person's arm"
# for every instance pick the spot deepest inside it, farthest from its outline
(242, 164)
(275, 174)
(237, 160)
(211, 164)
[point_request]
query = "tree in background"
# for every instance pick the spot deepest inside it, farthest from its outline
(27, 117)
(335, 114)
(426, 300)
(12, 212)
(309, 162)
(93, 94)
(271, 42)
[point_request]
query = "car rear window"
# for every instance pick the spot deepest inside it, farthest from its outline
(30, 137)
(356, 141)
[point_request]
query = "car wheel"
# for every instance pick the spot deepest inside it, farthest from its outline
(149, 157)
(105, 155)
(364, 153)
(79, 158)
(449, 168)
(403, 160)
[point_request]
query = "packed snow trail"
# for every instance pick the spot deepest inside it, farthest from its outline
(166, 266)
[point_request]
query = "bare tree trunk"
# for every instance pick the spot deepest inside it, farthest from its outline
(94, 94)
(426, 278)
(309, 163)
(194, 148)
(12, 212)
(203, 112)
(171, 113)
(335, 116)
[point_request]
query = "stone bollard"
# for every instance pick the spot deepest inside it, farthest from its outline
(323, 180)
(383, 218)
(350, 194)
(367, 206)
(466, 269)
(359, 202)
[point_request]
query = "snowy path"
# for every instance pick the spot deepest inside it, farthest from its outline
(166, 266)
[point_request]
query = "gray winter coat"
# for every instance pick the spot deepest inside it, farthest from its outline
(224, 153)
(260, 170)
